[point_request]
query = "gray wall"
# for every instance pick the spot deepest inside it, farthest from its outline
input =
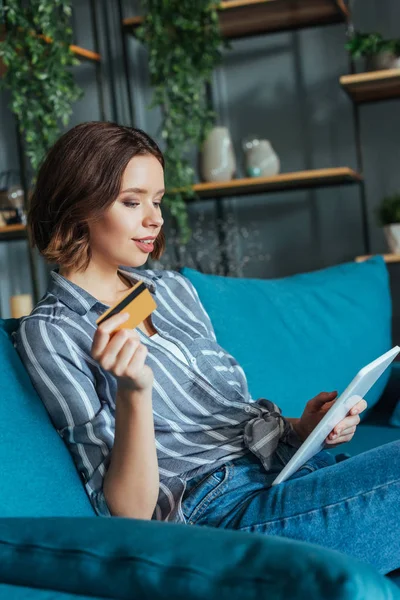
(282, 86)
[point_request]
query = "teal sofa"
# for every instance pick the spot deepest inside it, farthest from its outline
(53, 546)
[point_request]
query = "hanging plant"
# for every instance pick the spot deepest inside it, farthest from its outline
(184, 44)
(36, 53)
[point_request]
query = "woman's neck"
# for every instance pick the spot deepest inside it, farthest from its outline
(107, 290)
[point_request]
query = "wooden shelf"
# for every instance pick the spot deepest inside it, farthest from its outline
(77, 50)
(13, 232)
(373, 86)
(284, 181)
(388, 258)
(244, 18)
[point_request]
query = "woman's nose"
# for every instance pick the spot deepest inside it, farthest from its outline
(154, 216)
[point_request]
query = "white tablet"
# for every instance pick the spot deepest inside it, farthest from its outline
(362, 382)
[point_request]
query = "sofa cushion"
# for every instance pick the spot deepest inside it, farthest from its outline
(16, 592)
(300, 335)
(38, 477)
(129, 558)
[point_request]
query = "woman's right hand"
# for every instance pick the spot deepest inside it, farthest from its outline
(122, 354)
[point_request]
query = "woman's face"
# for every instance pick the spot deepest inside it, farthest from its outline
(135, 215)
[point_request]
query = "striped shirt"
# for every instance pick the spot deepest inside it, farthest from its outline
(203, 413)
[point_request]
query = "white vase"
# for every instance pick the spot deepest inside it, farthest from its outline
(261, 159)
(382, 60)
(218, 161)
(392, 234)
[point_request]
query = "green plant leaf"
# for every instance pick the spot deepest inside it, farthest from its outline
(42, 88)
(184, 46)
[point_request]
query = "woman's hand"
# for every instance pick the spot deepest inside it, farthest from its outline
(122, 354)
(315, 410)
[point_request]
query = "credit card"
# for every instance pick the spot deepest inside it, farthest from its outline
(137, 301)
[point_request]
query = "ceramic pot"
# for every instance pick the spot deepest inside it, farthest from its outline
(392, 234)
(261, 159)
(218, 161)
(383, 60)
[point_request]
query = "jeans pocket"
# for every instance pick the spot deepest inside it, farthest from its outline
(198, 498)
(318, 461)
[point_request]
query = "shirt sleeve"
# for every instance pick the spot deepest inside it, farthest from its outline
(66, 385)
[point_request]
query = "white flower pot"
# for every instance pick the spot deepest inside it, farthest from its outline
(218, 161)
(383, 60)
(392, 234)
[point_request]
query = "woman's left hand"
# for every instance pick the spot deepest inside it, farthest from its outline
(315, 410)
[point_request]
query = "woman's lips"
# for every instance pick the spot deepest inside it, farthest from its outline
(144, 247)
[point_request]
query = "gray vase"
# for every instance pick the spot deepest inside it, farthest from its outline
(218, 161)
(381, 61)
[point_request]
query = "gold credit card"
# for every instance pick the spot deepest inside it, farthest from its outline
(137, 301)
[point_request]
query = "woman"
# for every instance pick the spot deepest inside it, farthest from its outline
(159, 420)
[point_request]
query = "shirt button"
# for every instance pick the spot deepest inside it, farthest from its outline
(247, 408)
(193, 360)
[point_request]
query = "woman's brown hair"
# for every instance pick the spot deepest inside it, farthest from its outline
(78, 180)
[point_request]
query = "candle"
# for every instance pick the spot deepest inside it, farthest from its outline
(21, 305)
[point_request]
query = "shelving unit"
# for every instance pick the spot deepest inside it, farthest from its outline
(388, 258)
(19, 232)
(80, 52)
(284, 181)
(244, 18)
(373, 86)
(13, 232)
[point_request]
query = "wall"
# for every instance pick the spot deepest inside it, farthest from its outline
(282, 86)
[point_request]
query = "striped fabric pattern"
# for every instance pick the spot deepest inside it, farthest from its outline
(203, 412)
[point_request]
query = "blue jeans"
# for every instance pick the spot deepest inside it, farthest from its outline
(352, 506)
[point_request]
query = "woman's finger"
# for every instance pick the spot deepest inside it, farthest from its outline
(125, 356)
(347, 431)
(346, 422)
(339, 440)
(359, 407)
(103, 333)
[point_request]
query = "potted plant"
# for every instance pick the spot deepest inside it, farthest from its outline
(35, 54)
(185, 44)
(389, 218)
(378, 52)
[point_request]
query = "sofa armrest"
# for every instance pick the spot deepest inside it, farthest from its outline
(129, 558)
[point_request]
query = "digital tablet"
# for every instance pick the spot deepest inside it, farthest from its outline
(362, 382)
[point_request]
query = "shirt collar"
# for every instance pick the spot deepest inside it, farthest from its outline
(79, 300)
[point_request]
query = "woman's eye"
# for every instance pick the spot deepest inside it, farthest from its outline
(133, 204)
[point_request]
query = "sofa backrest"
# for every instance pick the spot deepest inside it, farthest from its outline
(38, 477)
(304, 334)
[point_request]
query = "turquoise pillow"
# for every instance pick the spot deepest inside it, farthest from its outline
(301, 335)
(129, 558)
(38, 477)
